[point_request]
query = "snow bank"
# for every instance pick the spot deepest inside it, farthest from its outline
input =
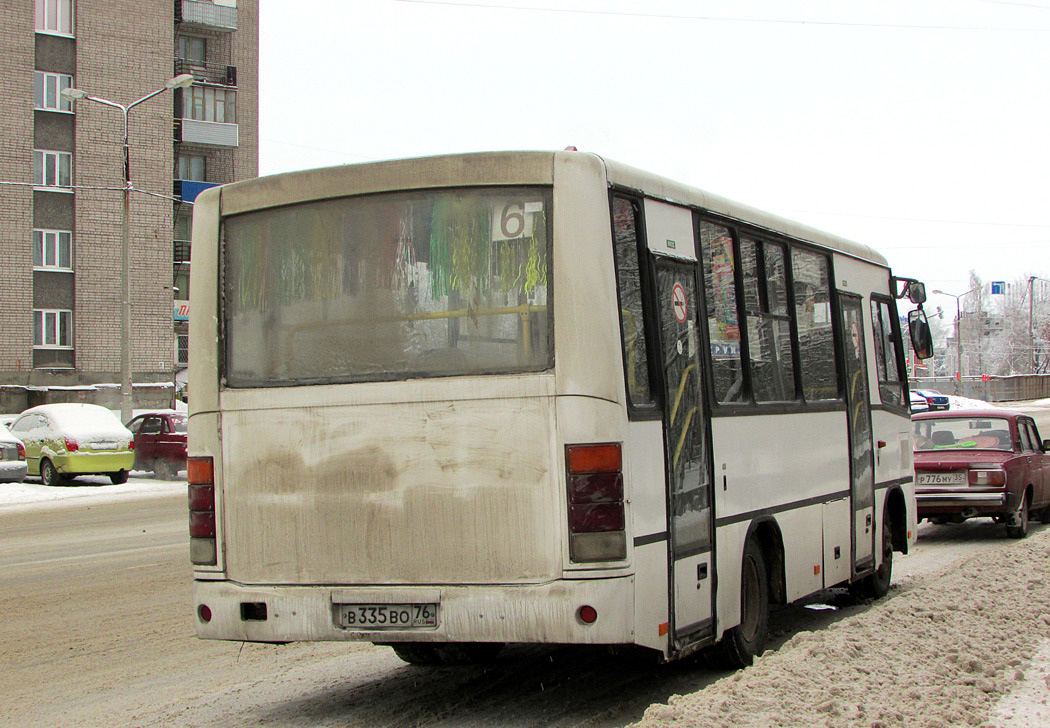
(938, 655)
(85, 490)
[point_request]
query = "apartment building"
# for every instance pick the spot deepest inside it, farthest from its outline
(62, 181)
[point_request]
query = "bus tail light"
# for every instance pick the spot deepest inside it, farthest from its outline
(200, 474)
(596, 507)
(987, 477)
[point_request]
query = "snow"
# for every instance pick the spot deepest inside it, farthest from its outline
(967, 648)
(85, 490)
(83, 421)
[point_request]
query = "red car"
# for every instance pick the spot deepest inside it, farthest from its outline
(160, 443)
(981, 463)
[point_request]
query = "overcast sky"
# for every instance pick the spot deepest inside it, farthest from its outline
(919, 127)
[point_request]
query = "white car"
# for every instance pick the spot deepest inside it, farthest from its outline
(12, 457)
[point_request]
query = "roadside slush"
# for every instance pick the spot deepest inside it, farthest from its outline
(87, 490)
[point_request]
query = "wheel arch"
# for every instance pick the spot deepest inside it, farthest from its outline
(896, 507)
(766, 533)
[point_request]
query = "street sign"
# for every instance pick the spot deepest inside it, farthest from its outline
(998, 288)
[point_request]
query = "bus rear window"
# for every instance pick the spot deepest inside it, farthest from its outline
(390, 286)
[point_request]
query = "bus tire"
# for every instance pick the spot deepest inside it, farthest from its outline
(451, 653)
(468, 653)
(877, 584)
(739, 646)
(417, 654)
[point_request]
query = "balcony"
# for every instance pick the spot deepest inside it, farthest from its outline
(182, 250)
(193, 14)
(213, 133)
(207, 72)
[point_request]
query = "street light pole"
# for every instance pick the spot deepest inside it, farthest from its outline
(181, 81)
(958, 333)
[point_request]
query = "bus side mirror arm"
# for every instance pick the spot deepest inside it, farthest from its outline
(910, 288)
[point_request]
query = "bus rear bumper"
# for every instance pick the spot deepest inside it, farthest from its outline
(547, 613)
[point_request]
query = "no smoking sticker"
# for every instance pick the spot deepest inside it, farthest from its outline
(678, 302)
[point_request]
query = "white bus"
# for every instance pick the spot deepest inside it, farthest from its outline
(452, 403)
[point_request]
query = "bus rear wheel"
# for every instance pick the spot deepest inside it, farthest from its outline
(742, 643)
(449, 653)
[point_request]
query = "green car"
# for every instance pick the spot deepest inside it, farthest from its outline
(66, 440)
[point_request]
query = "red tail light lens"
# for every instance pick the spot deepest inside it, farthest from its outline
(596, 502)
(993, 478)
(200, 472)
(202, 524)
(21, 451)
(202, 497)
(72, 445)
(131, 444)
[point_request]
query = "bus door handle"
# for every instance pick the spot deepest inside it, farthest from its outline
(867, 523)
(701, 573)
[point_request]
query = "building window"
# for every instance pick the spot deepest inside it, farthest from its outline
(52, 169)
(54, 16)
(53, 249)
(182, 350)
(52, 329)
(192, 49)
(48, 91)
(207, 103)
(192, 167)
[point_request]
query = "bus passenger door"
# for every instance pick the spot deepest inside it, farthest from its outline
(686, 453)
(858, 409)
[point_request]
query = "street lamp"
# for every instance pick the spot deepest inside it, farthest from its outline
(958, 333)
(74, 94)
(1031, 311)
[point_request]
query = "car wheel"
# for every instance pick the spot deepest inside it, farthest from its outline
(1019, 529)
(165, 469)
(121, 476)
(742, 643)
(49, 475)
(1043, 515)
(877, 584)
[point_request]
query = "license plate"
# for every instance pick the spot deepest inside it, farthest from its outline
(957, 478)
(104, 446)
(388, 616)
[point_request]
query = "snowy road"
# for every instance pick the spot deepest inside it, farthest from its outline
(96, 630)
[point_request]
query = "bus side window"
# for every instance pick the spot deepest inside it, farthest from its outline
(816, 340)
(723, 318)
(768, 321)
(629, 283)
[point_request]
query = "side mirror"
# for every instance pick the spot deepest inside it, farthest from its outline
(919, 330)
(1046, 445)
(917, 293)
(911, 289)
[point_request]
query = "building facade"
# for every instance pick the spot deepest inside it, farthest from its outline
(62, 172)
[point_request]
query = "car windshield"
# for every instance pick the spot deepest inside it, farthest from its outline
(962, 433)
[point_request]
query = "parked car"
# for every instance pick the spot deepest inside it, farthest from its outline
(66, 440)
(160, 443)
(981, 463)
(918, 402)
(12, 458)
(934, 399)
